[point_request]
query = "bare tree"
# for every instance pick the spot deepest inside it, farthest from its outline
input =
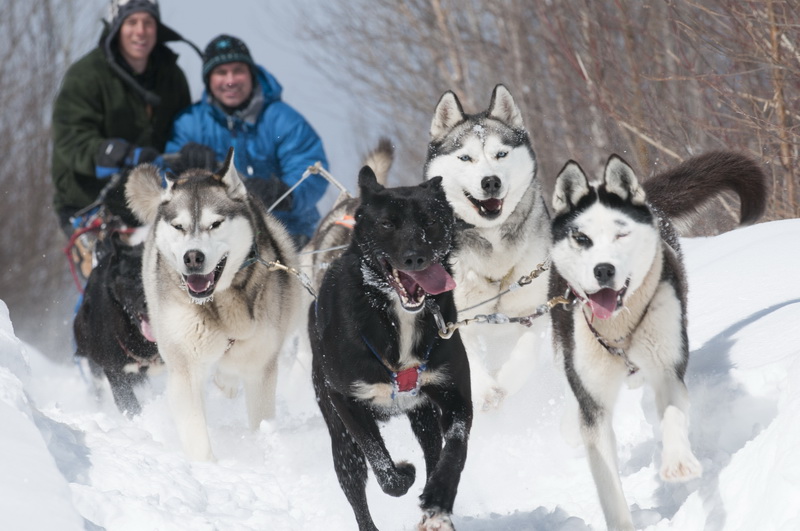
(38, 42)
(755, 83)
(655, 82)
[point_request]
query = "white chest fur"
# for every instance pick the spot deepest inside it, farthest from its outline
(482, 274)
(411, 354)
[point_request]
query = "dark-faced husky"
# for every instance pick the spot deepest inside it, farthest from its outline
(112, 329)
(488, 170)
(377, 352)
(617, 256)
(216, 301)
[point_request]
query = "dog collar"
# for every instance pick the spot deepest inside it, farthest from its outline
(251, 258)
(623, 342)
(141, 361)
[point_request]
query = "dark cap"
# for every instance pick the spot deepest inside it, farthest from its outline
(119, 10)
(225, 49)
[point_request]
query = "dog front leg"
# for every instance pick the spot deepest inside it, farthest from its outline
(425, 425)
(678, 463)
(394, 478)
(439, 494)
(523, 359)
(185, 393)
(601, 448)
(486, 392)
(260, 390)
(122, 389)
(349, 461)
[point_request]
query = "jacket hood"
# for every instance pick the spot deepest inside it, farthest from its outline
(165, 34)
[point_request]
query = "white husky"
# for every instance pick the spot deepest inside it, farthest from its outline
(616, 255)
(215, 302)
(489, 175)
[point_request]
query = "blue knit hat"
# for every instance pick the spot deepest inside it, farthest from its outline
(225, 49)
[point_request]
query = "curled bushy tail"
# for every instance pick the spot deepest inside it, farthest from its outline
(380, 159)
(681, 191)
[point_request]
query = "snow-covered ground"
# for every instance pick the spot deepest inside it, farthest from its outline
(69, 462)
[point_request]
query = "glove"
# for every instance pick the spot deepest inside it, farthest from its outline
(194, 155)
(140, 155)
(268, 191)
(115, 154)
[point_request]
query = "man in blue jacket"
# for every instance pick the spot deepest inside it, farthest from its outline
(274, 145)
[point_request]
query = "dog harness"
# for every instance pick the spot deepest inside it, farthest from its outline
(405, 381)
(141, 361)
(615, 347)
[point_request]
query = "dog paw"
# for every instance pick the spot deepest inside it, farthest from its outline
(397, 482)
(229, 385)
(435, 520)
(493, 398)
(677, 468)
(678, 463)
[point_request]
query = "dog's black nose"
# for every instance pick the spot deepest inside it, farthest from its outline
(194, 259)
(414, 261)
(604, 273)
(491, 185)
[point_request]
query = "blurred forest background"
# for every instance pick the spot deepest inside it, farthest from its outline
(656, 81)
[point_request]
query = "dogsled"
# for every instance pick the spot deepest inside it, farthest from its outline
(92, 226)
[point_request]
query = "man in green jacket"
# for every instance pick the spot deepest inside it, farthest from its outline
(115, 108)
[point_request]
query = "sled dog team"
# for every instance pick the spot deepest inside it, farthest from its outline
(221, 283)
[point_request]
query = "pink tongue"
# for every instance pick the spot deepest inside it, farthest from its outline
(434, 280)
(200, 283)
(492, 205)
(147, 330)
(603, 303)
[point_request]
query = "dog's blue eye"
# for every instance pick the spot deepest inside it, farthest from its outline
(502, 154)
(178, 227)
(581, 239)
(465, 158)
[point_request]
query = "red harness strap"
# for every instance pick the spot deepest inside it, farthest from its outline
(407, 380)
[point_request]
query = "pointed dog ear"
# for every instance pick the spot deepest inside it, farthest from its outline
(447, 115)
(433, 181)
(503, 108)
(144, 193)
(571, 186)
(621, 180)
(228, 176)
(367, 181)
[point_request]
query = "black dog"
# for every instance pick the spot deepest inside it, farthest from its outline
(111, 326)
(377, 351)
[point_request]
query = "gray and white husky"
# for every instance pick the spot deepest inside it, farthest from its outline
(215, 303)
(335, 230)
(617, 256)
(488, 168)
